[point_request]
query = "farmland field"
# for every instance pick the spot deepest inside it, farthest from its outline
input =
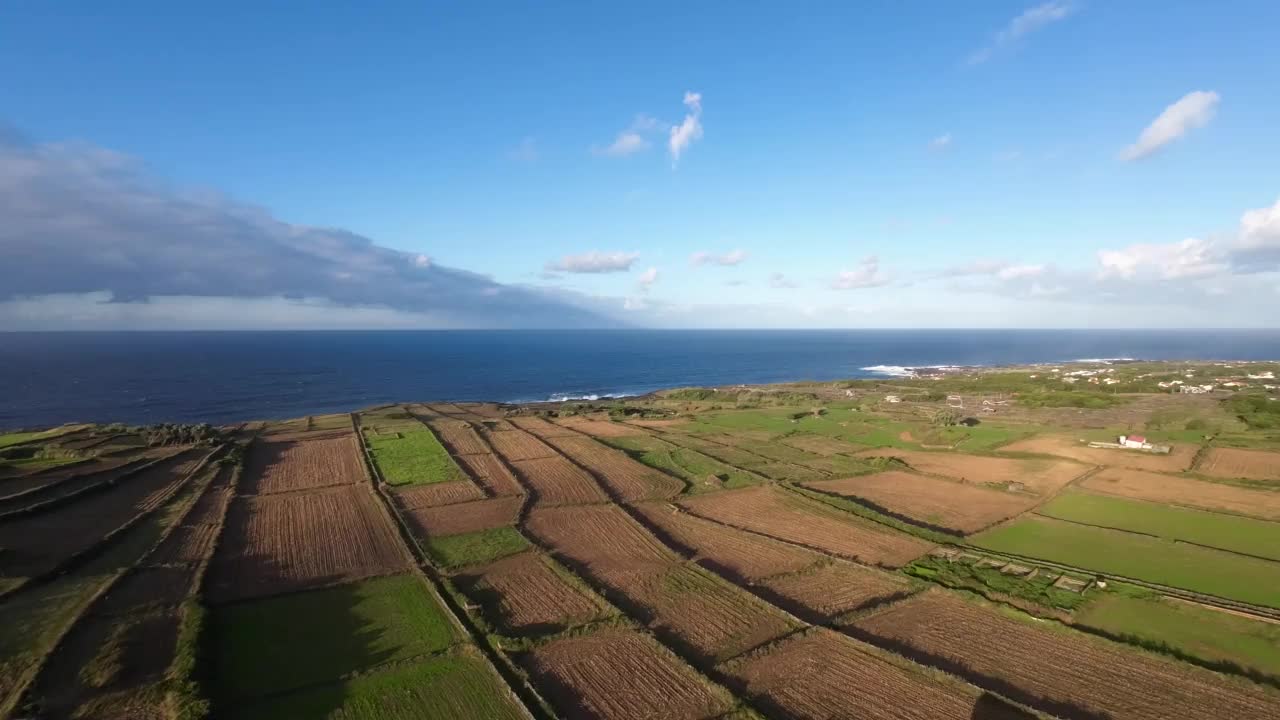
(778, 514)
(291, 641)
(1225, 532)
(1237, 463)
(622, 674)
(1061, 672)
(803, 551)
(524, 593)
(1176, 461)
(292, 541)
(284, 466)
(1156, 560)
(412, 456)
(1042, 477)
(556, 481)
(456, 686)
(1206, 633)
(628, 479)
(1178, 490)
(956, 506)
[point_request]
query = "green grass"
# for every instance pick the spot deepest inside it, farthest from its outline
(689, 465)
(299, 639)
(1228, 532)
(476, 547)
(413, 457)
(1038, 589)
(1205, 635)
(455, 686)
(8, 439)
(1151, 559)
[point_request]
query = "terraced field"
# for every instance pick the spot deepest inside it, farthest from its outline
(478, 561)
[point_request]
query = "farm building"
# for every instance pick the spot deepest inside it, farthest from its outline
(1137, 442)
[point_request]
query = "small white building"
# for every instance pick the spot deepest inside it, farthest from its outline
(1136, 442)
(892, 399)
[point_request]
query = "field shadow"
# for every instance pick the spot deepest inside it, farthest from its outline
(291, 650)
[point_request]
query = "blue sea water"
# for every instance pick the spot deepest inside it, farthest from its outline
(219, 377)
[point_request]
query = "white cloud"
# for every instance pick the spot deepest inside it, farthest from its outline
(422, 261)
(866, 275)
(1187, 259)
(648, 278)
(595, 262)
(1029, 21)
(942, 142)
(630, 141)
(733, 257)
(779, 281)
(684, 134)
(634, 304)
(1014, 272)
(526, 151)
(1261, 227)
(1193, 110)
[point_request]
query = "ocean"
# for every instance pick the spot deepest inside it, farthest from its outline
(223, 377)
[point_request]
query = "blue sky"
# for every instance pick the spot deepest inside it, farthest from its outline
(837, 164)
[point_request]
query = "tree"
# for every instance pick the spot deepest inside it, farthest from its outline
(945, 417)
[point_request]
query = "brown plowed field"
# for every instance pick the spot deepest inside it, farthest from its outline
(836, 588)
(820, 445)
(714, 619)
(941, 503)
(523, 593)
(412, 497)
(559, 482)
(166, 585)
(464, 517)
(1065, 673)
(1237, 463)
(741, 554)
(188, 543)
(274, 467)
(603, 540)
(601, 428)
(92, 471)
(628, 479)
(37, 543)
(489, 471)
(1185, 491)
(541, 427)
(823, 675)
(779, 514)
(516, 445)
(289, 435)
(1062, 446)
(274, 544)
(621, 675)
(459, 437)
(1043, 477)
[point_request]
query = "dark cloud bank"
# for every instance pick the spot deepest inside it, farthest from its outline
(79, 219)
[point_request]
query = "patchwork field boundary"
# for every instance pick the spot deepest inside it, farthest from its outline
(523, 693)
(130, 470)
(70, 563)
(24, 686)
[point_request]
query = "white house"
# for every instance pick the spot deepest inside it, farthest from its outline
(892, 399)
(1137, 442)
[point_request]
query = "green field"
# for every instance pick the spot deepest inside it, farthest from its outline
(1228, 532)
(476, 547)
(454, 686)
(413, 457)
(1209, 635)
(299, 639)
(689, 465)
(1146, 558)
(20, 437)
